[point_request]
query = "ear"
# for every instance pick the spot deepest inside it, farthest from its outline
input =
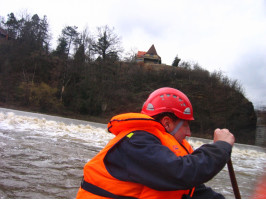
(166, 122)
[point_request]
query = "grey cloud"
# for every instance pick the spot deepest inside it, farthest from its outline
(250, 71)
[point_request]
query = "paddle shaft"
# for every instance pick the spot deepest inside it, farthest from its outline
(233, 179)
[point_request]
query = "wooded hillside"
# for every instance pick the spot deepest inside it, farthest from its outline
(85, 77)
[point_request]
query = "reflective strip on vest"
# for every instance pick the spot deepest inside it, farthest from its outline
(100, 192)
(130, 135)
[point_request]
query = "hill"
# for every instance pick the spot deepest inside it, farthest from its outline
(217, 101)
(100, 90)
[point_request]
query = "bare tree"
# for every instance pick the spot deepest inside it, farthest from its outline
(107, 43)
(130, 56)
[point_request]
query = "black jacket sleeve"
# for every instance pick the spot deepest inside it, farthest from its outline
(143, 159)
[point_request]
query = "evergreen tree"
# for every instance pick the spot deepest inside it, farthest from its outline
(176, 61)
(12, 26)
(69, 35)
(62, 48)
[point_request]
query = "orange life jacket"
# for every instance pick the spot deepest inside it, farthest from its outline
(95, 172)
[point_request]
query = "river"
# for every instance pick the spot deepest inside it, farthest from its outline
(42, 156)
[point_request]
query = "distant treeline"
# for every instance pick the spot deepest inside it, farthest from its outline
(86, 76)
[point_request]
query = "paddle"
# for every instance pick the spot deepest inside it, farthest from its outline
(233, 179)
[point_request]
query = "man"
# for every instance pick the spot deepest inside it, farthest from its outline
(150, 158)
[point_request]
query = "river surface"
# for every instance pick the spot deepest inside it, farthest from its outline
(42, 156)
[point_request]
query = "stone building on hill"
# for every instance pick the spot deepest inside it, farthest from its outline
(150, 56)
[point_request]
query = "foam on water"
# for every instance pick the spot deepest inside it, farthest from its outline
(82, 132)
(88, 134)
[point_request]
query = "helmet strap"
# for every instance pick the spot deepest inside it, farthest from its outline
(178, 126)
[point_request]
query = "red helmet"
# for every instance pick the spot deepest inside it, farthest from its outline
(168, 100)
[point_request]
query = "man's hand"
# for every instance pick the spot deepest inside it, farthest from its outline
(224, 135)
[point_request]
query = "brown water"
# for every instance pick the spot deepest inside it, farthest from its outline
(43, 157)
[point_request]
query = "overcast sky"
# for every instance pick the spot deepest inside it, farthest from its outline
(227, 35)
